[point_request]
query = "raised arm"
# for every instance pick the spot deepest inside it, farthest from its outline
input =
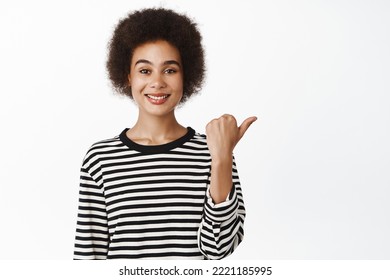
(222, 224)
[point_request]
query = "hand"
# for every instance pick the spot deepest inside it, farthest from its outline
(223, 135)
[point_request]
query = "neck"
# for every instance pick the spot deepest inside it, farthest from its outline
(156, 129)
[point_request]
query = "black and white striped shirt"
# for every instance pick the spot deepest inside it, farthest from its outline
(139, 201)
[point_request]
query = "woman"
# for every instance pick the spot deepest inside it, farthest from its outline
(160, 190)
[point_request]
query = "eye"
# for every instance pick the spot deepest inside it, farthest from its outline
(170, 71)
(144, 71)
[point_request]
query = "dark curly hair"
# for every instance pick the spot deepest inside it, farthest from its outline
(149, 25)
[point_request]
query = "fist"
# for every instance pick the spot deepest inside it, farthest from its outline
(223, 135)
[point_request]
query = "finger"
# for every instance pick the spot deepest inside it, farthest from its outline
(244, 126)
(229, 118)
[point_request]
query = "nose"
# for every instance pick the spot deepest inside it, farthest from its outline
(157, 81)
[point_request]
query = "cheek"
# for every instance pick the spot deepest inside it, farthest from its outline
(179, 87)
(137, 84)
(179, 84)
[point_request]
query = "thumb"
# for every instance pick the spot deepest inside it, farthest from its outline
(244, 126)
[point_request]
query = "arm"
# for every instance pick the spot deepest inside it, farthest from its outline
(223, 135)
(221, 228)
(92, 238)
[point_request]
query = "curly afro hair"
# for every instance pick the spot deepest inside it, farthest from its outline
(149, 25)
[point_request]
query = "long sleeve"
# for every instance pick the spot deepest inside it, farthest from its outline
(222, 225)
(92, 237)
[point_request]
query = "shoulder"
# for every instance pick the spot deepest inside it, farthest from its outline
(102, 147)
(196, 142)
(106, 144)
(199, 137)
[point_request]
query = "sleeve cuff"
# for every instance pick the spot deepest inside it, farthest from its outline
(219, 212)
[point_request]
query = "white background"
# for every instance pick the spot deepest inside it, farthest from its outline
(314, 168)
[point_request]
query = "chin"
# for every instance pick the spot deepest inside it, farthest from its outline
(159, 113)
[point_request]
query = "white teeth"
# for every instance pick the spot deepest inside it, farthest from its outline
(157, 97)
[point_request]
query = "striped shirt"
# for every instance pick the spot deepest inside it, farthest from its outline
(141, 202)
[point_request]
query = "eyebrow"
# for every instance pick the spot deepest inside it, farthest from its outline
(167, 62)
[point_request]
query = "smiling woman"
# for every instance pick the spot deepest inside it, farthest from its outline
(159, 189)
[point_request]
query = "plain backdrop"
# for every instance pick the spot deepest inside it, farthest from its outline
(314, 168)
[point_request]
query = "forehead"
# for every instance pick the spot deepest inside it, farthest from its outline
(156, 52)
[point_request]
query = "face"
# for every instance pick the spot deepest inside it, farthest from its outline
(156, 78)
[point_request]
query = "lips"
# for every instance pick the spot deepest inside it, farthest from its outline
(157, 98)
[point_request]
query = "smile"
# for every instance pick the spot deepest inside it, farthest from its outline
(157, 99)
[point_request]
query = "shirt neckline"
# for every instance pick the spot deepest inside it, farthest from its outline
(150, 149)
